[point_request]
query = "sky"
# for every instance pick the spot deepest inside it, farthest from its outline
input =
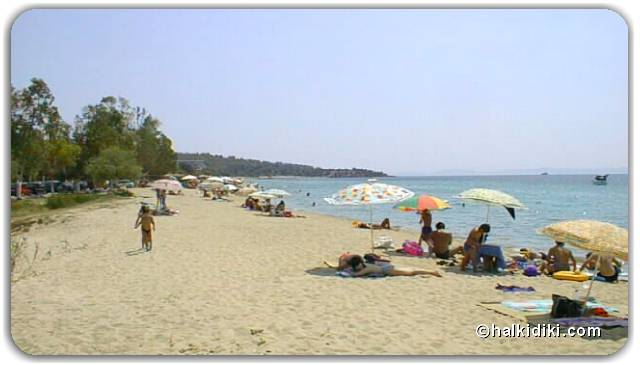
(407, 92)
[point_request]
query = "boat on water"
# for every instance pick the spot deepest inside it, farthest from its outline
(600, 180)
(544, 173)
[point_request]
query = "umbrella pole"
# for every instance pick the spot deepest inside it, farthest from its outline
(371, 225)
(593, 278)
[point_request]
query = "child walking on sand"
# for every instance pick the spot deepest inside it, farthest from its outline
(146, 223)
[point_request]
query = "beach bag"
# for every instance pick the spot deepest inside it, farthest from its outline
(412, 248)
(564, 307)
(531, 271)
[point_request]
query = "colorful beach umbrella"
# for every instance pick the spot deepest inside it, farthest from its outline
(599, 237)
(369, 194)
(493, 197)
(422, 202)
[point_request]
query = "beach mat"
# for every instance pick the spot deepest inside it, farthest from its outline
(528, 317)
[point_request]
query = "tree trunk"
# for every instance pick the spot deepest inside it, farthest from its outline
(19, 188)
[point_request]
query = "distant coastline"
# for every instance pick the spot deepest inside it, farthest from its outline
(206, 163)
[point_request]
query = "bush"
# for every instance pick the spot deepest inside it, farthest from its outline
(68, 200)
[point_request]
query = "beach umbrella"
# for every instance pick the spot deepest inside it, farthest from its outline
(188, 177)
(262, 195)
(210, 185)
(422, 202)
(277, 192)
(369, 194)
(246, 191)
(215, 179)
(166, 184)
(592, 236)
(493, 197)
(599, 237)
(230, 187)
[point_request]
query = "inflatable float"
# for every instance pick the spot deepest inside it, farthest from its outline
(570, 275)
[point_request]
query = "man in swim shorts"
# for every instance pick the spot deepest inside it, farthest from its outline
(608, 266)
(425, 220)
(440, 242)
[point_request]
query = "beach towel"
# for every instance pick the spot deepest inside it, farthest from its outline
(348, 273)
(604, 322)
(514, 288)
(544, 306)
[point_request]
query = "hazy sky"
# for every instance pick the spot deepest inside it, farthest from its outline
(403, 91)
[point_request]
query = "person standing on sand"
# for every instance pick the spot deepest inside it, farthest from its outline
(425, 219)
(146, 223)
(477, 236)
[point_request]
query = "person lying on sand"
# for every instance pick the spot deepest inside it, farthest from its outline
(440, 242)
(385, 224)
(558, 260)
(361, 269)
(608, 267)
(344, 261)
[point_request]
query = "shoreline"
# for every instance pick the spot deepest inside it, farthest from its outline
(223, 280)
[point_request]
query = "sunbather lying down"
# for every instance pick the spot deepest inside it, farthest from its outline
(357, 264)
(385, 224)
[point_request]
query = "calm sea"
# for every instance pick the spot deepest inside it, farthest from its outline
(549, 199)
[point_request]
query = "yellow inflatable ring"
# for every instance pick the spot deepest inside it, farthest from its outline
(570, 275)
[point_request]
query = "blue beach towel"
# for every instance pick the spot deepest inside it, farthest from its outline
(544, 306)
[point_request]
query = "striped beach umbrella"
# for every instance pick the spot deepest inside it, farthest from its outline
(422, 202)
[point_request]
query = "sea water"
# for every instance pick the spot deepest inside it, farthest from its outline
(548, 199)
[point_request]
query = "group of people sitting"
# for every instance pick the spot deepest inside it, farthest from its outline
(560, 258)
(275, 210)
(374, 265)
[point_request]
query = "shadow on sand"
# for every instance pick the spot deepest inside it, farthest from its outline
(322, 271)
(138, 251)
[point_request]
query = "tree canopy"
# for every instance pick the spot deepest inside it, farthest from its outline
(43, 144)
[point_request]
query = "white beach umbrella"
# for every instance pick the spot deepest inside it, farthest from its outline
(492, 197)
(262, 195)
(230, 187)
(210, 185)
(188, 177)
(279, 193)
(166, 184)
(215, 179)
(369, 194)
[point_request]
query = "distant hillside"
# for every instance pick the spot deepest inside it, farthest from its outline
(206, 163)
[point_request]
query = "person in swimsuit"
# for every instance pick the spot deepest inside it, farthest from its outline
(558, 259)
(440, 242)
(344, 261)
(476, 237)
(146, 223)
(425, 220)
(608, 266)
(361, 269)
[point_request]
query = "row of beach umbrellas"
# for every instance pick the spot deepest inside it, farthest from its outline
(587, 234)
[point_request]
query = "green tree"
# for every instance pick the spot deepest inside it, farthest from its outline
(35, 123)
(113, 163)
(101, 126)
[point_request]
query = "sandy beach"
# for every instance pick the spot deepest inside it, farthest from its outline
(223, 280)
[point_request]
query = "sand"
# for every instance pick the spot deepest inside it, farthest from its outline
(222, 280)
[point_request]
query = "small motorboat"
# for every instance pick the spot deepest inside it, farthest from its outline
(600, 180)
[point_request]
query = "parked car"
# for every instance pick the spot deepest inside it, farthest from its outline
(37, 188)
(25, 189)
(126, 184)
